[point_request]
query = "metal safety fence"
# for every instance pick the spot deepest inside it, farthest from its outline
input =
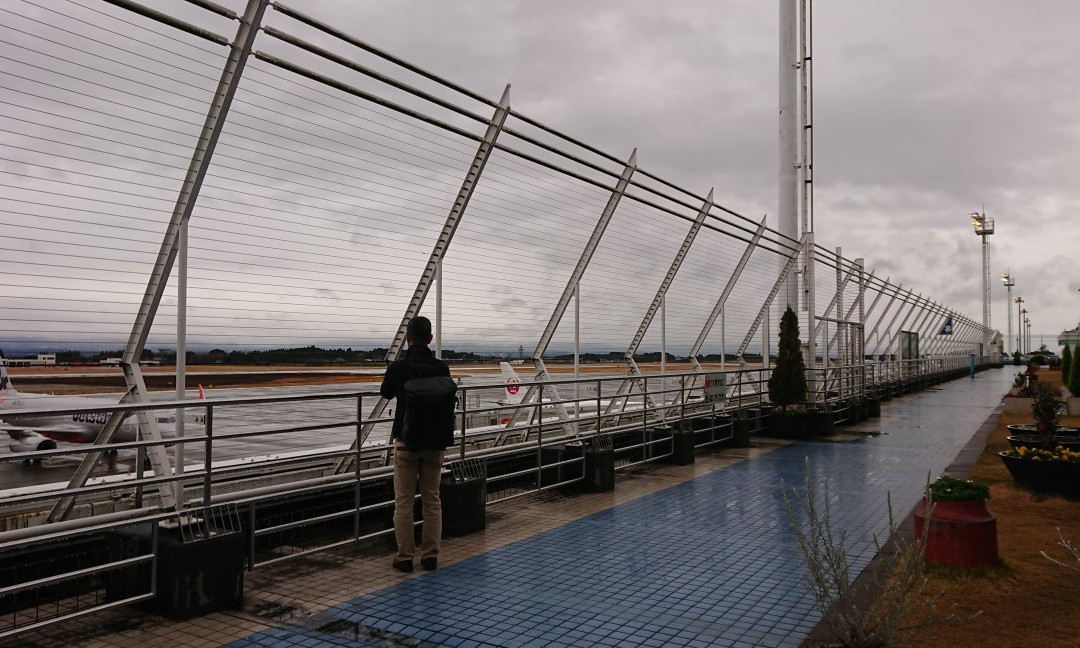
(239, 178)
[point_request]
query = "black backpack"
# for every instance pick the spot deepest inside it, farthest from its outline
(428, 422)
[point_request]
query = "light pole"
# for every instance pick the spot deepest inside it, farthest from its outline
(984, 227)
(1019, 301)
(1027, 339)
(1023, 339)
(1009, 281)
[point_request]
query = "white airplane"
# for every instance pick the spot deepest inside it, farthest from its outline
(32, 432)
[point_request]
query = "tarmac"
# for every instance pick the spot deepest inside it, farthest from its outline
(699, 555)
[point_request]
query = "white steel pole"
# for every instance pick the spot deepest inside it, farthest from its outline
(1008, 313)
(181, 337)
(438, 309)
(986, 296)
(663, 335)
(577, 347)
(723, 341)
(788, 190)
(765, 333)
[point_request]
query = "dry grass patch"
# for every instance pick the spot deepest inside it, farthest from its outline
(1027, 601)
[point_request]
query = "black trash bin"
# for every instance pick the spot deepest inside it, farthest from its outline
(599, 465)
(463, 491)
(682, 444)
(200, 569)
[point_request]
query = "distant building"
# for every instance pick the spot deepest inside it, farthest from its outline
(1070, 337)
(42, 360)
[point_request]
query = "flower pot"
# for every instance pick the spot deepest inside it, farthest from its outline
(1055, 477)
(1027, 429)
(1036, 441)
(961, 534)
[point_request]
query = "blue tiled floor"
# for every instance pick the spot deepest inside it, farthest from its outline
(710, 562)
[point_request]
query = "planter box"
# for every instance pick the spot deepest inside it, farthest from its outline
(1036, 441)
(1026, 429)
(1053, 477)
(961, 533)
(789, 426)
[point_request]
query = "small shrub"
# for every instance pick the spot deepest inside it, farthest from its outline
(1068, 546)
(957, 490)
(1066, 362)
(1045, 409)
(900, 602)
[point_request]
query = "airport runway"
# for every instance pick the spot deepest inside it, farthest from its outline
(276, 422)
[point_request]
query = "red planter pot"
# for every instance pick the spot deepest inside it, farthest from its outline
(961, 534)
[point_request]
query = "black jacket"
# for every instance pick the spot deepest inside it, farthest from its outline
(419, 362)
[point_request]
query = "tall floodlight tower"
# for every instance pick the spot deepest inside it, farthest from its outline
(984, 227)
(1019, 301)
(1008, 281)
(788, 195)
(1023, 338)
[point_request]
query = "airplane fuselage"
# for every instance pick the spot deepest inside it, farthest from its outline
(76, 427)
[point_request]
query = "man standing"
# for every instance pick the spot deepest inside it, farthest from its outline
(418, 453)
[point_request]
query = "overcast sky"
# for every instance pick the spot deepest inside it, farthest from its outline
(924, 112)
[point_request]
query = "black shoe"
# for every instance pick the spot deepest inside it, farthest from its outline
(431, 563)
(402, 565)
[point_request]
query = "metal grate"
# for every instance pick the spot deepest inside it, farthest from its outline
(465, 470)
(207, 523)
(600, 442)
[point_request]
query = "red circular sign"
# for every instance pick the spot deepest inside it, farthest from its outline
(512, 386)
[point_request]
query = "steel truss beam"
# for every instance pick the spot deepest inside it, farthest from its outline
(650, 313)
(718, 309)
(851, 310)
(881, 318)
(533, 392)
(888, 333)
(793, 260)
(438, 252)
(189, 192)
(939, 340)
(837, 296)
(722, 300)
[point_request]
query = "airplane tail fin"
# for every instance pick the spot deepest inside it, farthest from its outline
(5, 380)
(514, 394)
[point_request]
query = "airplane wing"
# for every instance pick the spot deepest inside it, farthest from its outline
(15, 432)
(73, 433)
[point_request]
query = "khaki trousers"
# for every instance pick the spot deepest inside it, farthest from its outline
(410, 467)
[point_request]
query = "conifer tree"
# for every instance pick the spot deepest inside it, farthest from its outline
(1066, 364)
(1074, 375)
(788, 382)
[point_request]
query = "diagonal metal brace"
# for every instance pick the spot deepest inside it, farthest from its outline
(442, 244)
(572, 283)
(650, 313)
(213, 124)
(792, 261)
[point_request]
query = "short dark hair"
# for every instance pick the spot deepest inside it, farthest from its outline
(419, 329)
